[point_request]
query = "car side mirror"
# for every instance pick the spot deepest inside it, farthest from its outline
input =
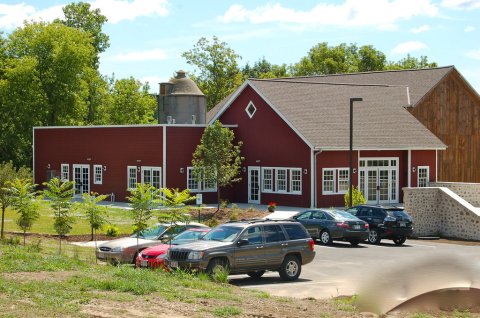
(242, 242)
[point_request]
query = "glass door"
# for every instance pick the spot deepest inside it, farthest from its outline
(81, 177)
(152, 176)
(254, 185)
(378, 180)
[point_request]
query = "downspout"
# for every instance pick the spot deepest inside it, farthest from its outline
(436, 165)
(409, 181)
(314, 182)
(164, 157)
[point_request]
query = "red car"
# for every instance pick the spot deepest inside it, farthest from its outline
(152, 257)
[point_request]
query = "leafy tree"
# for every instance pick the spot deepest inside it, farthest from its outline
(143, 199)
(8, 173)
(217, 159)
(80, 16)
(173, 201)
(23, 201)
(60, 195)
(131, 103)
(357, 197)
(219, 74)
(410, 62)
(94, 213)
(264, 69)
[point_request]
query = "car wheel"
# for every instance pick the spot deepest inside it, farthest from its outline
(354, 242)
(216, 264)
(399, 240)
(290, 268)
(325, 237)
(256, 274)
(374, 237)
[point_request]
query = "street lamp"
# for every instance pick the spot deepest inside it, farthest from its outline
(352, 99)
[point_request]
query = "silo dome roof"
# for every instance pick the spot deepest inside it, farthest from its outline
(182, 85)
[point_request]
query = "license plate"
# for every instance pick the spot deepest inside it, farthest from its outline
(144, 263)
(174, 264)
(403, 224)
(356, 227)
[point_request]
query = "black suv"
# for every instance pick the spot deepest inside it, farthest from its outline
(385, 222)
(248, 247)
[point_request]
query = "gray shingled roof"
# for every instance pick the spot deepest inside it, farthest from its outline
(419, 81)
(320, 113)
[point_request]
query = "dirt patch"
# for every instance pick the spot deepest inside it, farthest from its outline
(39, 276)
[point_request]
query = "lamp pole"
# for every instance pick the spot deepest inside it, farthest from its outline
(350, 176)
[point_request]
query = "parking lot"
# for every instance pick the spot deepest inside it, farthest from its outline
(341, 269)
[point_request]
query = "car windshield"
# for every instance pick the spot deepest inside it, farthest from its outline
(187, 235)
(223, 234)
(398, 213)
(346, 215)
(151, 233)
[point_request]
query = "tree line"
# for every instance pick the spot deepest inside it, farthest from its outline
(49, 76)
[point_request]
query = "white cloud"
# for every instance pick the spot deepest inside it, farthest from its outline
(461, 4)
(407, 47)
(119, 10)
(474, 54)
(150, 55)
(469, 28)
(423, 28)
(12, 16)
(381, 14)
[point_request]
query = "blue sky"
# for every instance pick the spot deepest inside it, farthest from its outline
(147, 37)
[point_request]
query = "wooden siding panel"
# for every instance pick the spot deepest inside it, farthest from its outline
(452, 112)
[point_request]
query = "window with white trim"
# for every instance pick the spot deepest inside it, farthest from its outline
(423, 176)
(296, 180)
(335, 180)
(132, 177)
(199, 186)
(343, 180)
(65, 172)
(281, 180)
(97, 174)
(267, 179)
(251, 109)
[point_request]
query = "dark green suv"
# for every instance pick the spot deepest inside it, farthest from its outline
(248, 247)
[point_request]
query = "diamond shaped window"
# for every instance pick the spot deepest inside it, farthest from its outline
(251, 109)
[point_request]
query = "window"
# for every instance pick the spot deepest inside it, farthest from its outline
(267, 179)
(423, 176)
(273, 233)
(251, 109)
(152, 176)
(97, 174)
(65, 172)
(296, 180)
(132, 177)
(296, 232)
(335, 180)
(195, 186)
(281, 180)
(253, 235)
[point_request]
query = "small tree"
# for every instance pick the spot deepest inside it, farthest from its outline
(8, 173)
(357, 197)
(60, 195)
(94, 213)
(217, 159)
(23, 201)
(143, 199)
(173, 201)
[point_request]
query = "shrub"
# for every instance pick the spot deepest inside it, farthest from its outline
(212, 222)
(12, 240)
(357, 197)
(112, 231)
(223, 204)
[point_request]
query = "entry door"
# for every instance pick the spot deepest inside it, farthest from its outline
(81, 176)
(379, 185)
(152, 176)
(254, 185)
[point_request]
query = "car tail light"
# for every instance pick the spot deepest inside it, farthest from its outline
(312, 244)
(367, 226)
(343, 225)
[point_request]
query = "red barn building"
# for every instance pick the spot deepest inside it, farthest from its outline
(296, 146)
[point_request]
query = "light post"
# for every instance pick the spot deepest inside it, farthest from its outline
(352, 99)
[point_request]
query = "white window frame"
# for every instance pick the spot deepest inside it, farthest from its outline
(277, 180)
(264, 188)
(129, 184)
(201, 185)
(292, 181)
(97, 173)
(427, 168)
(347, 170)
(151, 169)
(64, 174)
(254, 111)
(334, 180)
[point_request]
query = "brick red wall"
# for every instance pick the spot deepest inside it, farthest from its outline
(423, 158)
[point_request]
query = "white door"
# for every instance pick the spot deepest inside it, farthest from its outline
(378, 180)
(254, 185)
(152, 176)
(81, 177)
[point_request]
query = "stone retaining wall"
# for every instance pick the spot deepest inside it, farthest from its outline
(441, 212)
(468, 191)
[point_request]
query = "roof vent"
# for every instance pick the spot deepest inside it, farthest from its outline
(169, 120)
(181, 74)
(194, 119)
